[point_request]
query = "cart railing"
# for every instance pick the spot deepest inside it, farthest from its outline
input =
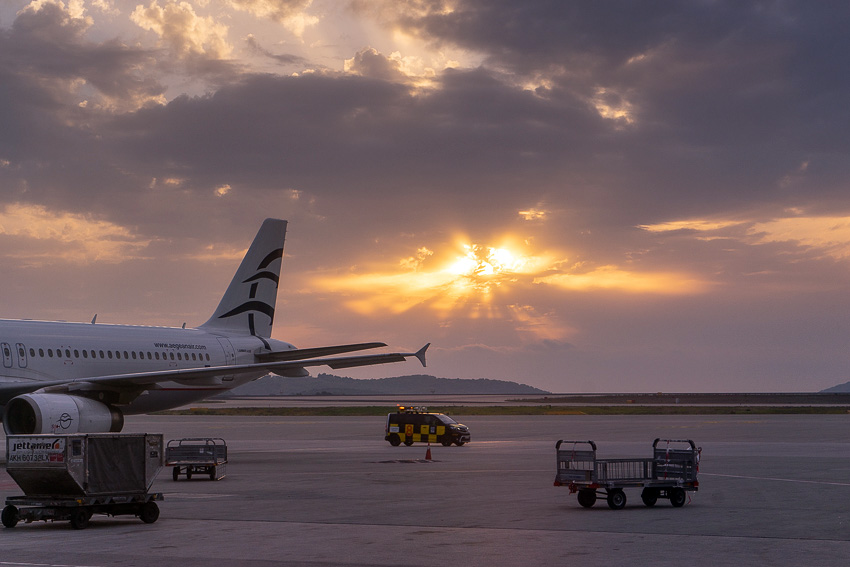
(577, 463)
(190, 450)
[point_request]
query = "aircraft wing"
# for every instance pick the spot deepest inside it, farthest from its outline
(149, 380)
(302, 353)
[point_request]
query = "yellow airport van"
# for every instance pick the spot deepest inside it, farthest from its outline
(411, 425)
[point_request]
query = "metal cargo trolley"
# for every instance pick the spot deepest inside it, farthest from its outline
(197, 455)
(72, 477)
(670, 473)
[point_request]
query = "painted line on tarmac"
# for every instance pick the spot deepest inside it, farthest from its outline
(18, 564)
(797, 481)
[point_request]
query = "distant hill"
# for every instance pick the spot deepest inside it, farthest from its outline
(328, 384)
(840, 389)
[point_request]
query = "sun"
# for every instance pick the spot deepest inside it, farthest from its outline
(480, 268)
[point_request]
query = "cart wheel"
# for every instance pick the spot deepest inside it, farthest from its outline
(189, 472)
(149, 512)
(175, 473)
(616, 499)
(9, 516)
(649, 496)
(408, 442)
(212, 472)
(80, 518)
(394, 440)
(587, 497)
(677, 497)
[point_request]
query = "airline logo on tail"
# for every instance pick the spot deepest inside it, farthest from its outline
(253, 304)
(252, 292)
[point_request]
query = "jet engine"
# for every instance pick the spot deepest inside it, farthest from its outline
(59, 413)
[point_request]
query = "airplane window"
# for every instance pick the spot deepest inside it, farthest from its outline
(41, 352)
(134, 355)
(6, 351)
(21, 352)
(93, 354)
(101, 354)
(118, 354)
(149, 355)
(172, 356)
(109, 354)
(85, 354)
(76, 353)
(193, 356)
(208, 357)
(67, 353)
(157, 355)
(50, 352)
(32, 352)
(179, 356)
(126, 355)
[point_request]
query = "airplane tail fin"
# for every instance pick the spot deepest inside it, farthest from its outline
(248, 303)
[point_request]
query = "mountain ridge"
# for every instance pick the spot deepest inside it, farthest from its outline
(329, 384)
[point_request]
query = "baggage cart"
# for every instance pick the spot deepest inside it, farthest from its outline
(72, 477)
(197, 455)
(670, 473)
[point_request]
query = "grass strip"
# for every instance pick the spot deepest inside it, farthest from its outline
(331, 411)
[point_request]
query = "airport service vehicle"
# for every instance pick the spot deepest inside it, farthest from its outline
(72, 477)
(409, 425)
(670, 473)
(197, 455)
(59, 377)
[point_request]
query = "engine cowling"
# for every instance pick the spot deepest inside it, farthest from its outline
(30, 414)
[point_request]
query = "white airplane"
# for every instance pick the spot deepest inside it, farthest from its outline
(84, 377)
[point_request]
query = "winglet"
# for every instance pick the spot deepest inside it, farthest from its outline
(420, 354)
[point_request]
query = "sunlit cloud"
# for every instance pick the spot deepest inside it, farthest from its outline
(613, 106)
(291, 14)
(534, 214)
(829, 234)
(694, 224)
(183, 30)
(473, 279)
(613, 278)
(46, 236)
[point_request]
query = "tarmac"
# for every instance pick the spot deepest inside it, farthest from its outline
(774, 490)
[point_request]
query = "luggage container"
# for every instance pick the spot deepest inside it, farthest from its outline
(197, 455)
(670, 473)
(71, 477)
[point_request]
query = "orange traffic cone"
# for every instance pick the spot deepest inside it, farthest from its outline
(428, 453)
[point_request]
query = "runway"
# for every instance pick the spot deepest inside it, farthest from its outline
(775, 490)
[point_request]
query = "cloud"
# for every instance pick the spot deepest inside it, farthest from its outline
(49, 237)
(185, 32)
(292, 14)
(46, 55)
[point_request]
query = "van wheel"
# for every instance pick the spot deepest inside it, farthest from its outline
(408, 442)
(447, 442)
(460, 443)
(394, 440)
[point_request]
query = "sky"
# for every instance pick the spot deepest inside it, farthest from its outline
(581, 196)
